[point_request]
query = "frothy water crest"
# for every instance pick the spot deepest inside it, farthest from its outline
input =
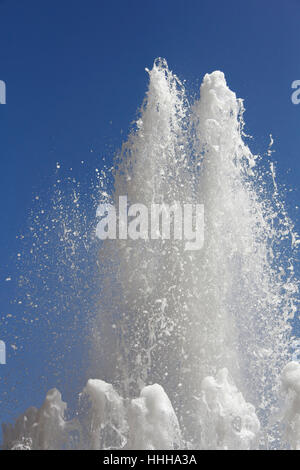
(212, 327)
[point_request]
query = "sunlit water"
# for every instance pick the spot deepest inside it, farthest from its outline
(195, 346)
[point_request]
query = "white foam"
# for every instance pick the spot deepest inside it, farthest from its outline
(147, 422)
(290, 379)
(227, 420)
(152, 421)
(107, 425)
(38, 429)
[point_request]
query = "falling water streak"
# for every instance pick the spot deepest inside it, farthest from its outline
(203, 324)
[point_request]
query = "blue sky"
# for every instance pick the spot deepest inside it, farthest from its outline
(75, 76)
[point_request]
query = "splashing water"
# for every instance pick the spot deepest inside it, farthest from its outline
(213, 327)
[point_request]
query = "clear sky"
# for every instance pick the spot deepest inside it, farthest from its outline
(75, 76)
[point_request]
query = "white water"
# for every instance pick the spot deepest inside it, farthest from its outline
(212, 327)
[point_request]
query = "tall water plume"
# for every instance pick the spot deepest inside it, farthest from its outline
(211, 326)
